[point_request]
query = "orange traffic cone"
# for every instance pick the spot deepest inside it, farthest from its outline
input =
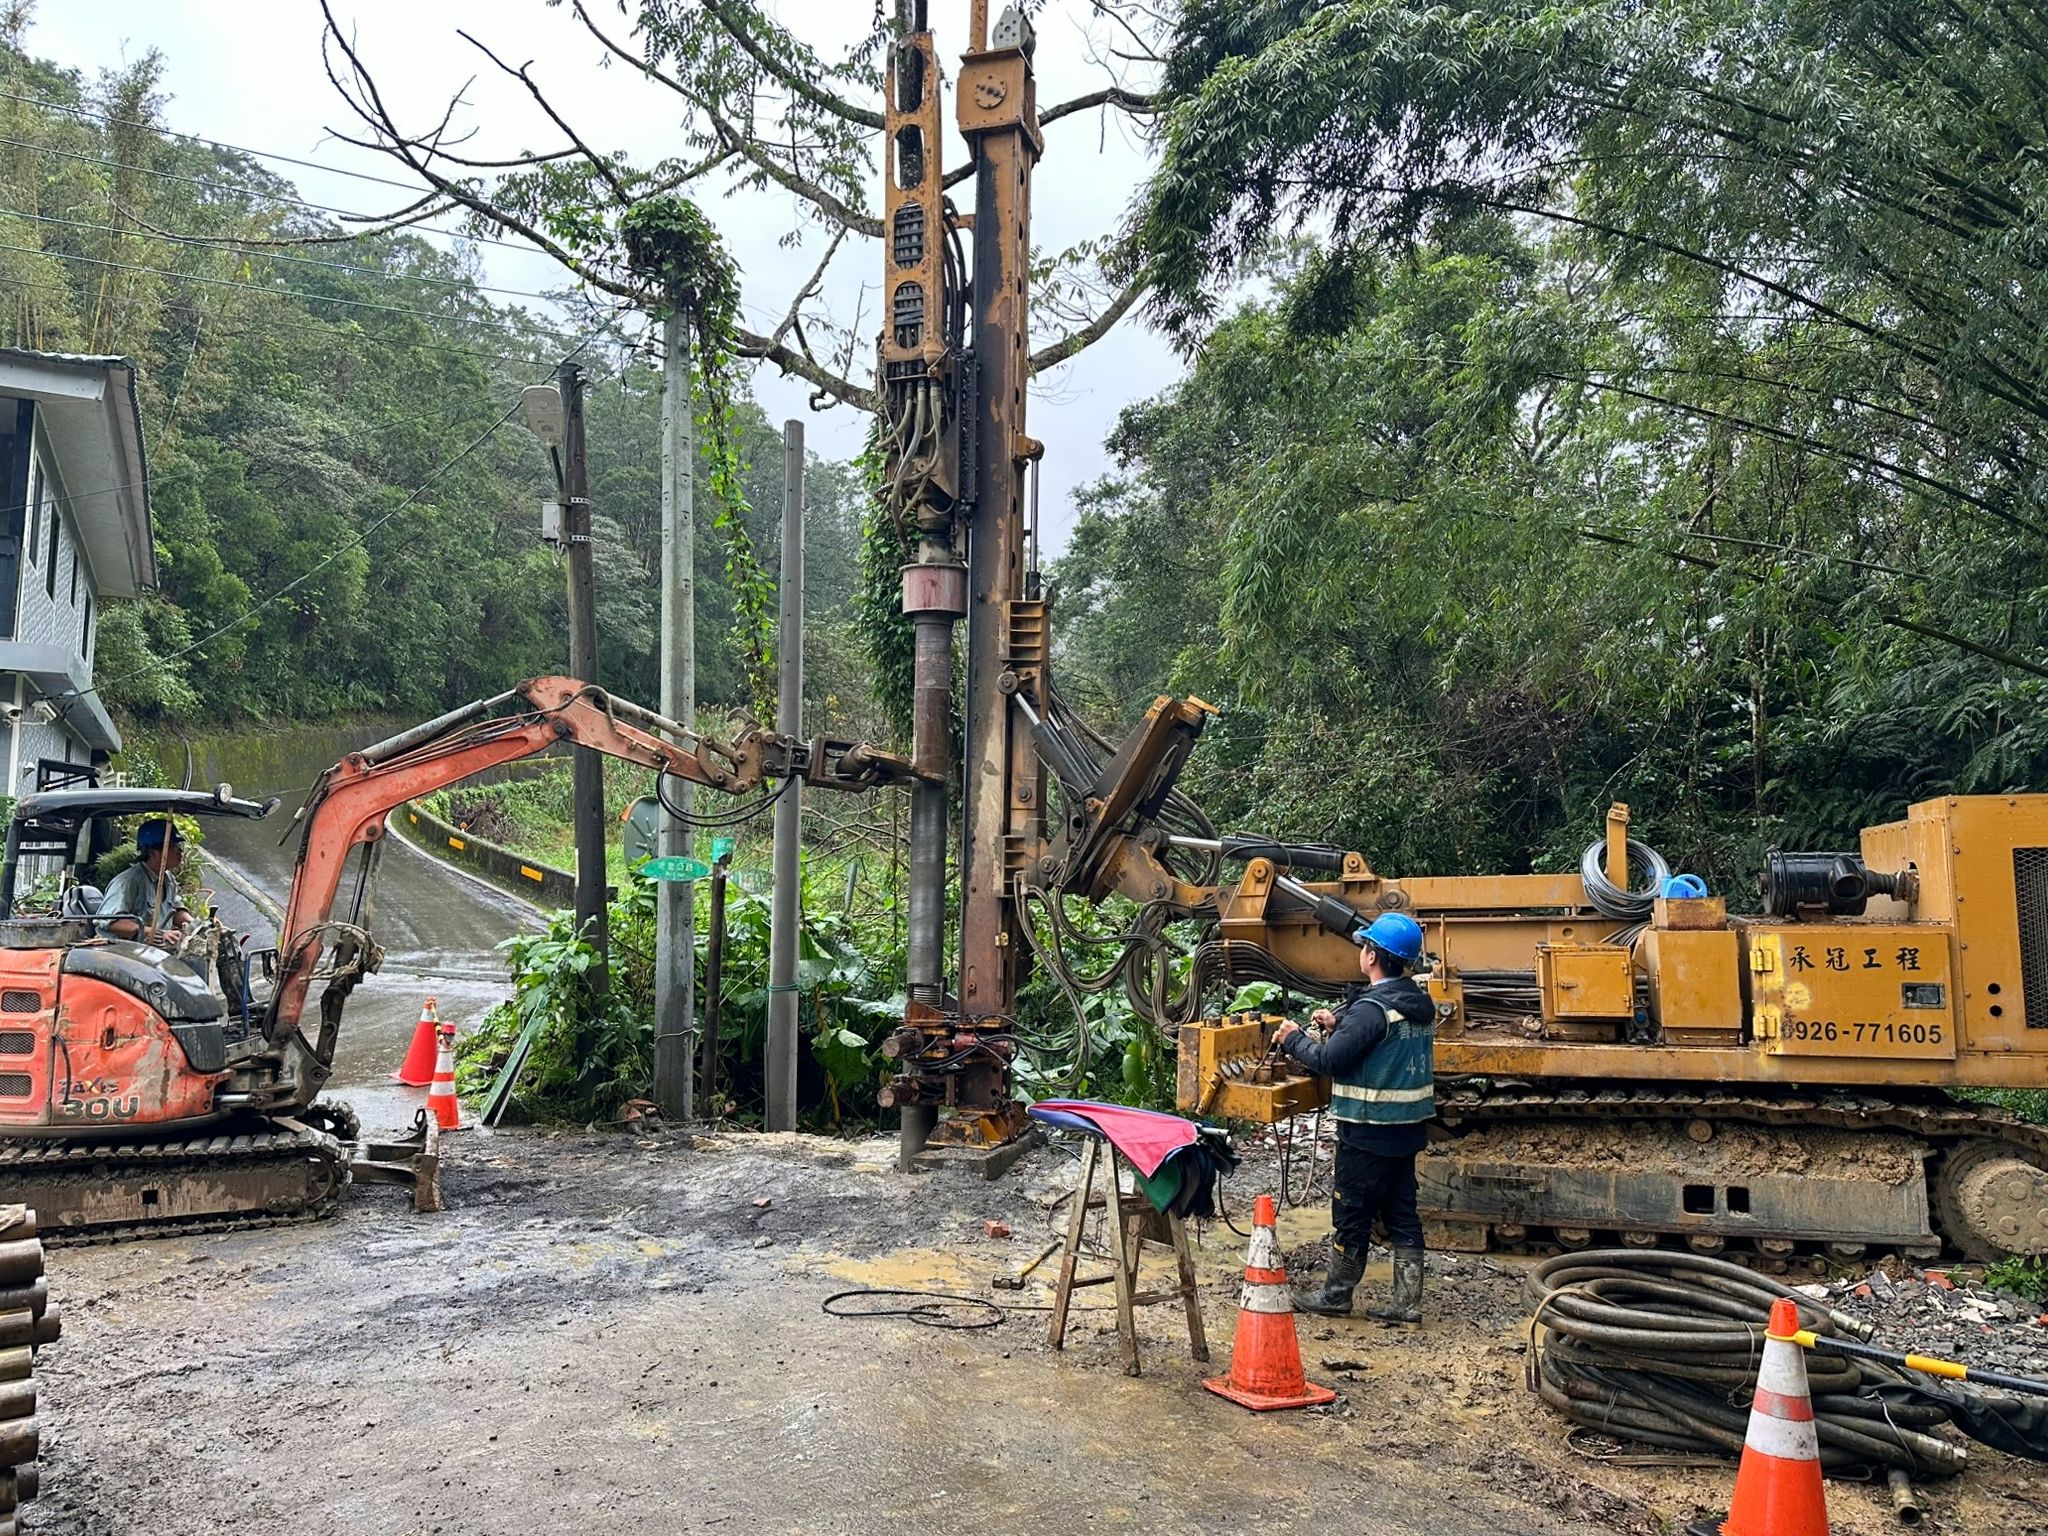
(1265, 1360)
(418, 1069)
(441, 1100)
(1777, 1487)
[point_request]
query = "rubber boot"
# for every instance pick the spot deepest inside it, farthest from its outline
(1334, 1299)
(1404, 1305)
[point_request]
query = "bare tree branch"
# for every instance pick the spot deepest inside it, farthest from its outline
(749, 344)
(377, 117)
(784, 177)
(817, 280)
(1116, 96)
(1079, 341)
(721, 12)
(524, 76)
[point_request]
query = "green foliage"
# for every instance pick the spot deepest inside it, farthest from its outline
(2023, 1276)
(594, 1046)
(676, 252)
(886, 633)
(289, 407)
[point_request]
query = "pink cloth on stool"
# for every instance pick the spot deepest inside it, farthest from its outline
(1145, 1136)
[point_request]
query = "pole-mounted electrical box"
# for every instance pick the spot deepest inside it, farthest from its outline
(551, 522)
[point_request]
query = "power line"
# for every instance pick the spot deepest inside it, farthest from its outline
(194, 138)
(229, 243)
(311, 326)
(228, 282)
(258, 192)
(354, 536)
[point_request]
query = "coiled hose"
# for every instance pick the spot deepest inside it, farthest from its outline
(1663, 1348)
(1609, 898)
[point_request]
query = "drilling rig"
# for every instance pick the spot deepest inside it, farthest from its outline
(1615, 1062)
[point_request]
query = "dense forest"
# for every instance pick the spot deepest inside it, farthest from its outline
(1596, 402)
(1648, 405)
(332, 445)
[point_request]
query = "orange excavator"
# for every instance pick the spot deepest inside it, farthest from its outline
(149, 1087)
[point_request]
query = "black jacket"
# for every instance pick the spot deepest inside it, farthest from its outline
(1361, 1025)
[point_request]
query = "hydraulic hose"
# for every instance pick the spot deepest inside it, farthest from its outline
(1663, 1348)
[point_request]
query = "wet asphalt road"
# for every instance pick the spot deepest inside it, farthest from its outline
(439, 928)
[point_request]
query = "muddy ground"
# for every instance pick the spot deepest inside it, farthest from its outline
(614, 1333)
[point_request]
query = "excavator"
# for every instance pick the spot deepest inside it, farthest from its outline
(1616, 1063)
(147, 1089)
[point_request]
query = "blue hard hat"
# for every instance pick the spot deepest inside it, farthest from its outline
(151, 834)
(1396, 934)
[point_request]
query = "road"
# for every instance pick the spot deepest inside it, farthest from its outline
(439, 927)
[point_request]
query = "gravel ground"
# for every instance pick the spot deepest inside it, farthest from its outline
(611, 1331)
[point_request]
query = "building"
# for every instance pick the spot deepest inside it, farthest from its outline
(74, 531)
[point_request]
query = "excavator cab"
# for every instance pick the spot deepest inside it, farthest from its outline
(100, 1030)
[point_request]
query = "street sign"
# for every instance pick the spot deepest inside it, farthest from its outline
(675, 867)
(721, 849)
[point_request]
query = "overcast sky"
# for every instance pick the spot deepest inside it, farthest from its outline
(248, 72)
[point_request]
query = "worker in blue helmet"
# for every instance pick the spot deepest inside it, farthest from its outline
(1377, 1050)
(143, 901)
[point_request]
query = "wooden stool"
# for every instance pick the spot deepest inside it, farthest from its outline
(1134, 1225)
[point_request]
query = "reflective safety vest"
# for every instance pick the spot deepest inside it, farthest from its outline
(1394, 1084)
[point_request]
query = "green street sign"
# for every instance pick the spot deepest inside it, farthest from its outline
(675, 867)
(721, 849)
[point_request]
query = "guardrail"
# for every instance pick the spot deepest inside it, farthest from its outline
(501, 866)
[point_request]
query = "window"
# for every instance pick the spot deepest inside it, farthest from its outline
(74, 567)
(50, 569)
(85, 630)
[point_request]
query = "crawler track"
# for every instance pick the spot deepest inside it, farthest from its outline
(1954, 1139)
(256, 1174)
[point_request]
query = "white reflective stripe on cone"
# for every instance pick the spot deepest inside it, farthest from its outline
(1783, 1369)
(1786, 1439)
(1265, 1298)
(1264, 1251)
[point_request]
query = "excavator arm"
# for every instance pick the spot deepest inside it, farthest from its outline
(348, 804)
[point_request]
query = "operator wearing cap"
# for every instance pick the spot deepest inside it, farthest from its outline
(1378, 1053)
(143, 901)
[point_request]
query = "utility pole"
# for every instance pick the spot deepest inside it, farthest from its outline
(675, 930)
(787, 912)
(587, 769)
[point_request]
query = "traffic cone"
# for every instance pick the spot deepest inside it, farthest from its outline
(1265, 1360)
(441, 1100)
(418, 1069)
(1777, 1487)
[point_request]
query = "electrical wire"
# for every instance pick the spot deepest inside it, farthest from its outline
(933, 1309)
(228, 282)
(229, 243)
(354, 537)
(1610, 899)
(194, 138)
(212, 185)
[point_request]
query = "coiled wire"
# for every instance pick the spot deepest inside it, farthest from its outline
(1610, 899)
(1663, 1348)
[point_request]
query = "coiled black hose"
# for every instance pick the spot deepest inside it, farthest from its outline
(1663, 1348)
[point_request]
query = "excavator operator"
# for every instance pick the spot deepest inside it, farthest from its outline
(143, 901)
(1378, 1055)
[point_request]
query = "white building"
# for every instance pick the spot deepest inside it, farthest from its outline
(74, 531)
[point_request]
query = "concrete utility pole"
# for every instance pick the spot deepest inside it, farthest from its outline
(587, 768)
(675, 930)
(789, 719)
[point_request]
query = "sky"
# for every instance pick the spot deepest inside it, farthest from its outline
(249, 73)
